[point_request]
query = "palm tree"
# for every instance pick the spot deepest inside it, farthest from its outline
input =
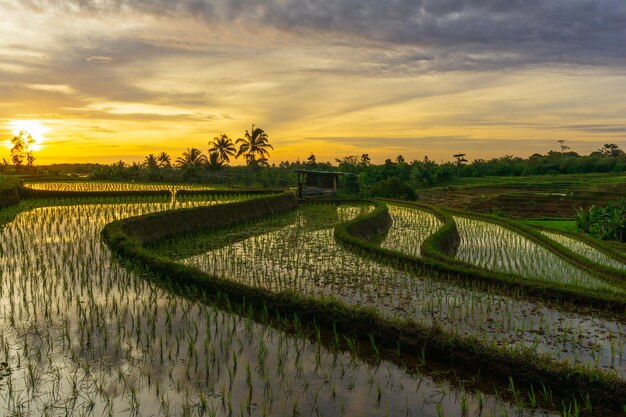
(224, 147)
(191, 158)
(254, 143)
(151, 162)
(165, 160)
(215, 162)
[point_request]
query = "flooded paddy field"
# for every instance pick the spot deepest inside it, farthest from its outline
(81, 335)
(300, 254)
(497, 248)
(84, 335)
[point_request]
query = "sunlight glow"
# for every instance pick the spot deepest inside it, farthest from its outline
(36, 129)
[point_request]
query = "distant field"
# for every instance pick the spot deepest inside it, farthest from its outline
(544, 196)
(541, 181)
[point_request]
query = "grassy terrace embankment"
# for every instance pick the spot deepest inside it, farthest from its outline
(9, 191)
(128, 239)
(190, 194)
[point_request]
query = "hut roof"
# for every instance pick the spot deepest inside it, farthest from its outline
(307, 171)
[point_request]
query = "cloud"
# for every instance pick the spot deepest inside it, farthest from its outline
(433, 73)
(57, 88)
(618, 129)
(432, 34)
(99, 59)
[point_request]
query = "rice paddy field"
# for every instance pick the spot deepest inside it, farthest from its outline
(306, 259)
(496, 248)
(585, 250)
(82, 333)
(98, 186)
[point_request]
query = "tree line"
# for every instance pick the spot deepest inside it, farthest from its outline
(395, 178)
(253, 147)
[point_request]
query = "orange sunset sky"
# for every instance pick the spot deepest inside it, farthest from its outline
(104, 80)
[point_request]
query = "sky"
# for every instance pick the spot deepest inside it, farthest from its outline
(109, 80)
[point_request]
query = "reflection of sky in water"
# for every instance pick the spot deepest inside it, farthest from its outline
(93, 338)
(312, 262)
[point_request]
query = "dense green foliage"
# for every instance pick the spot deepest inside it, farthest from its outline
(9, 191)
(7, 182)
(609, 223)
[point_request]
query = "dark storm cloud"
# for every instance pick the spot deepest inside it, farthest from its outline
(449, 34)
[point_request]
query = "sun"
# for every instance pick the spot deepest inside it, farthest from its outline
(36, 129)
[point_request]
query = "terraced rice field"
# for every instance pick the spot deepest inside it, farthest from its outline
(496, 248)
(308, 260)
(81, 334)
(585, 250)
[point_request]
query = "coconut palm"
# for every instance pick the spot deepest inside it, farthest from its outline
(151, 162)
(165, 160)
(254, 144)
(224, 147)
(215, 162)
(193, 157)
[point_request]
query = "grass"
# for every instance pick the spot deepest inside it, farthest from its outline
(105, 186)
(495, 247)
(409, 229)
(437, 256)
(187, 245)
(614, 250)
(9, 191)
(8, 214)
(7, 182)
(605, 272)
(547, 196)
(560, 225)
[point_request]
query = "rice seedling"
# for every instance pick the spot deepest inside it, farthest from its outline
(585, 250)
(496, 248)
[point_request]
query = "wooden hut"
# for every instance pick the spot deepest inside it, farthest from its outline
(317, 183)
